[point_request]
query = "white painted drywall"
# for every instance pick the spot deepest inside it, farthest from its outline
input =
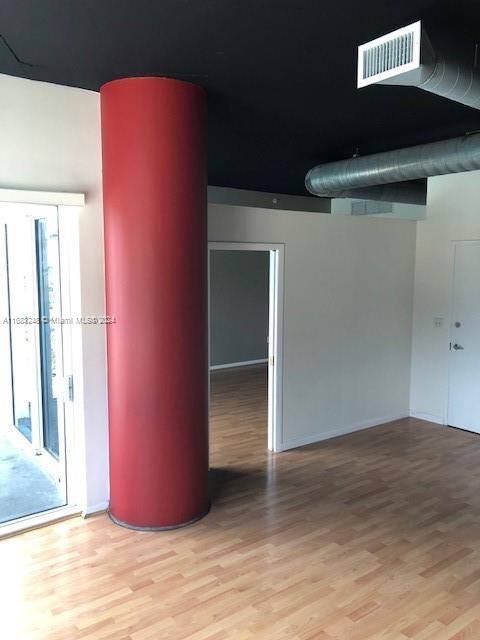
(453, 213)
(239, 293)
(348, 315)
(50, 140)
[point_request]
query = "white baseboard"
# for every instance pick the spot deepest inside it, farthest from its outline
(428, 417)
(95, 508)
(230, 365)
(334, 433)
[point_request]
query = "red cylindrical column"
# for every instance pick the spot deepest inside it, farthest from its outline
(155, 209)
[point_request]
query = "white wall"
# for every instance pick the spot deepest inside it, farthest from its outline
(50, 140)
(348, 314)
(453, 213)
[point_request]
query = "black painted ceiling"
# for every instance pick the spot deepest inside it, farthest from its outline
(281, 75)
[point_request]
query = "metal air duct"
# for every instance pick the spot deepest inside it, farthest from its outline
(433, 60)
(438, 62)
(337, 179)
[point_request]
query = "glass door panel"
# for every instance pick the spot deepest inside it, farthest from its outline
(49, 307)
(32, 450)
(22, 299)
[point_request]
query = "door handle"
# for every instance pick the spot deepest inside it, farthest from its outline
(458, 347)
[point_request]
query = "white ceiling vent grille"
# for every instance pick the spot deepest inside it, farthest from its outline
(370, 207)
(385, 57)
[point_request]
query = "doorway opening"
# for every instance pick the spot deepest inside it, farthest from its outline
(246, 339)
(34, 387)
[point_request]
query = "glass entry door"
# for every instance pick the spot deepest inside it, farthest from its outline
(36, 439)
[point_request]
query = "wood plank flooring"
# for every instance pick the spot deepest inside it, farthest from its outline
(371, 536)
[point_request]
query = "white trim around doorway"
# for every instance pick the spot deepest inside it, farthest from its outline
(69, 206)
(55, 198)
(275, 343)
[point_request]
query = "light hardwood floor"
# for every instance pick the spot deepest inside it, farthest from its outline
(371, 536)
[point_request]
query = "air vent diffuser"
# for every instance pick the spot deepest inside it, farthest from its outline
(370, 207)
(394, 53)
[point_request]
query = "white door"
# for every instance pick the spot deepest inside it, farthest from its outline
(31, 236)
(464, 383)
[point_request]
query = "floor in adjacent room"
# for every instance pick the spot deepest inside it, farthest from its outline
(370, 536)
(25, 486)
